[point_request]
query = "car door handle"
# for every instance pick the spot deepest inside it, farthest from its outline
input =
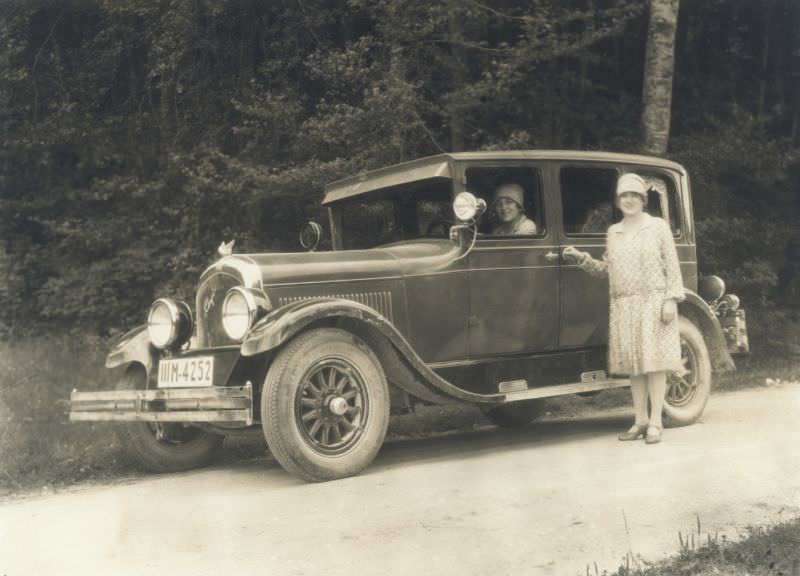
(552, 256)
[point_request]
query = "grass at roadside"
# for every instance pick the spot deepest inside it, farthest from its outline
(40, 448)
(761, 551)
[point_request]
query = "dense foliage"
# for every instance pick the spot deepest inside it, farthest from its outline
(137, 135)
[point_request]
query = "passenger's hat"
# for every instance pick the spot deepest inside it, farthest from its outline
(511, 191)
(631, 182)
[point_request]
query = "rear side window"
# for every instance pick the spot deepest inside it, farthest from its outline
(663, 200)
(588, 199)
(486, 181)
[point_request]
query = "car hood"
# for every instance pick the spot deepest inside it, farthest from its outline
(391, 261)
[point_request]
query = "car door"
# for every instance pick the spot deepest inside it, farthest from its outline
(586, 193)
(513, 279)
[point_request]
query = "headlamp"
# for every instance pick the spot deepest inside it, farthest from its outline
(169, 323)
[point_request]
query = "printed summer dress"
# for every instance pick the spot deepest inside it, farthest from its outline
(643, 271)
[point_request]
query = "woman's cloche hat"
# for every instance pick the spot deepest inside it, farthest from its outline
(631, 182)
(511, 191)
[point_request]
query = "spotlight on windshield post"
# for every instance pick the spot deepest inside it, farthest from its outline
(467, 207)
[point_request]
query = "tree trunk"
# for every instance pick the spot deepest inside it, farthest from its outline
(458, 58)
(793, 77)
(764, 81)
(659, 69)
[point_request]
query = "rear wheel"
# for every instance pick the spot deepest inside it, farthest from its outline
(514, 414)
(164, 446)
(325, 405)
(688, 393)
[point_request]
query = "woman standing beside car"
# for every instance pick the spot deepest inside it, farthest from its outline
(645, 286)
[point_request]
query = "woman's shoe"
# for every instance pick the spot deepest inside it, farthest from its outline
(653, 435)
(636, 431)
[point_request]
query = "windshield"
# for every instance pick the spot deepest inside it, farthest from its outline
(411, 211)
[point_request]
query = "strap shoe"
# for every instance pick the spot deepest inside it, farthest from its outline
(653, 435)
(636, 431)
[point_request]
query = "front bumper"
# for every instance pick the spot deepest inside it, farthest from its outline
(231, 404)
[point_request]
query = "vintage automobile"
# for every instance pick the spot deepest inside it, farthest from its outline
(419, 301)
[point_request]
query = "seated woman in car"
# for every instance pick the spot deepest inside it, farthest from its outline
(507, 206)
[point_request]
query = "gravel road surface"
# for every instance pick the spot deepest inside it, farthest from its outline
(549, 499)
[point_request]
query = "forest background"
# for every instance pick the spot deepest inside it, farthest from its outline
(137, 135)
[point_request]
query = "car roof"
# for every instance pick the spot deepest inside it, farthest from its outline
(440, 166)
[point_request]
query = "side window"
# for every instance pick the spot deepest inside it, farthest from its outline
(587, 198)
(662, 200)
(514, 197)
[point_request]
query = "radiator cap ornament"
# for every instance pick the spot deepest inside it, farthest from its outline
(226, 248)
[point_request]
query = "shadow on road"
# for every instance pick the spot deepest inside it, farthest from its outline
(461, 445)
(453, 445)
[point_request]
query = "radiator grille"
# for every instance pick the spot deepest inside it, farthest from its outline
(379, 301)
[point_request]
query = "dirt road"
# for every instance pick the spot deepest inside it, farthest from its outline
(548, 499)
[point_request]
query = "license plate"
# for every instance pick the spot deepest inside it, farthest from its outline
(186, 372)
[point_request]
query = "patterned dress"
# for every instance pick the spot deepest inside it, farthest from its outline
(643, 271)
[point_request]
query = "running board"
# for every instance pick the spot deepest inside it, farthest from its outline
(564, 389)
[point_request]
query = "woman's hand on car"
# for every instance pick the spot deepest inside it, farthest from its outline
(573, 255)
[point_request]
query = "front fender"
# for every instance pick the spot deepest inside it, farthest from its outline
(699, 312)
(280, 325)
(133, 346)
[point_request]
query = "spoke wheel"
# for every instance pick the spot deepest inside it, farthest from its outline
(332, 406)
(682, 388)
(687, 393)
(325, 405)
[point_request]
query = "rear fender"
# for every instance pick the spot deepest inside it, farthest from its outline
(700, 313)
(402, 364)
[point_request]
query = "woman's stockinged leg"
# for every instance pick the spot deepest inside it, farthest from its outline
(639, 394)
(656, 389)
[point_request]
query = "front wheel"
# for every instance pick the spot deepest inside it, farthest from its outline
(325, 405)
(688, 393)
(164, 446)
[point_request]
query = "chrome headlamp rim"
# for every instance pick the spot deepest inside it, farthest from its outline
(252, 305)
(181, 322)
